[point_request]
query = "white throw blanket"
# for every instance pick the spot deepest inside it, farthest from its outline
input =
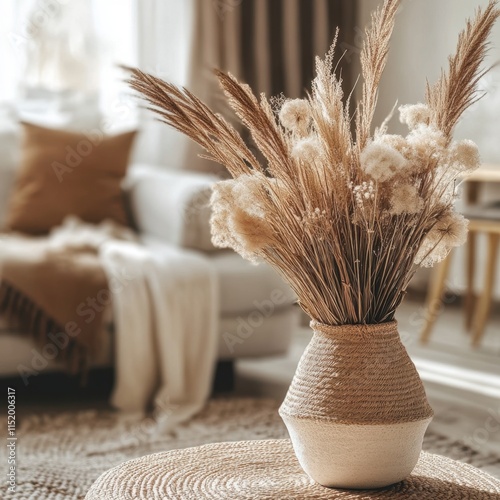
(166, 320)
(165, 311)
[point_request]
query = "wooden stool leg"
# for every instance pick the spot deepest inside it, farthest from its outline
(433, 303)
(484, 302)
(471, 268)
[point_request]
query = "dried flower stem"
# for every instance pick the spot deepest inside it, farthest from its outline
(183, 111)
(457, 90)
(373, 61)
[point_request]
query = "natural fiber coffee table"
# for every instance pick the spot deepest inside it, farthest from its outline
(256, 470)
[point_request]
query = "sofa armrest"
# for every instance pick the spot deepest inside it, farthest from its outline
(171, 205)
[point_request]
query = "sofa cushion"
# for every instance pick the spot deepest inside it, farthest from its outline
(64, 173)
(172, 206)
(245, 287)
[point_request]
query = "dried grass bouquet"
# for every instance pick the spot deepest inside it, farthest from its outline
(345, 217)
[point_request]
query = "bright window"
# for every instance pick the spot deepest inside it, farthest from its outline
(61, 53)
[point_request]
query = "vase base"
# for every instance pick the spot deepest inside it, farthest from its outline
(356, 456)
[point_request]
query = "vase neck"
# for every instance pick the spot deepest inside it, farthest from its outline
(382, 331)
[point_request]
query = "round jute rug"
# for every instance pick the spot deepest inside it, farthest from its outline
(60, 456)
(258, 470)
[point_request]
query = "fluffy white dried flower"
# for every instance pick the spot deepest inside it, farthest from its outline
(406, 200)
(414, 115)
(426, 142)
(464, 156)
(238, 220)
(246, 190)
(381, 161)
(308, 149)
(252, 234)
(397, 142)
(452, 228)
(430, 254)
(295, 115)
(449, 232)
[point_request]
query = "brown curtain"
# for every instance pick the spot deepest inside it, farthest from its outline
(269, 44)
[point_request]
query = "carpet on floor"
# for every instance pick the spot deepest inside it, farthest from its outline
(60, 456)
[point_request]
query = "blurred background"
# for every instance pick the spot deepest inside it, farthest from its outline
(60, 70)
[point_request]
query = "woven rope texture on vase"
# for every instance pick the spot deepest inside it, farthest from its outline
(357, 374)
(256, 470)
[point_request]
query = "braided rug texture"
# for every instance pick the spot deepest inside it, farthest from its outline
(357, 374)
(60, 456)
(258, 470)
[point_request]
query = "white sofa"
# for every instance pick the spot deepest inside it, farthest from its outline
(257, 316)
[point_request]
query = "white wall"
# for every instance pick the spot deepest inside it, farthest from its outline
(426, 34)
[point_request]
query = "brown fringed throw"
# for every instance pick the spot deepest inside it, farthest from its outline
(56, 295)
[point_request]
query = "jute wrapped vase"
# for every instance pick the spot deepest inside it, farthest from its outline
(356, 410)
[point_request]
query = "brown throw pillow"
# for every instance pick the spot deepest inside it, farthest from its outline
(63, 173)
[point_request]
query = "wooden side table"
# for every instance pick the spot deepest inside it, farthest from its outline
(487, 174)
(474, 182)
(256, 470)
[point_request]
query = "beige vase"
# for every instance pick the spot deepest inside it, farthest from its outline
(356, 410)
